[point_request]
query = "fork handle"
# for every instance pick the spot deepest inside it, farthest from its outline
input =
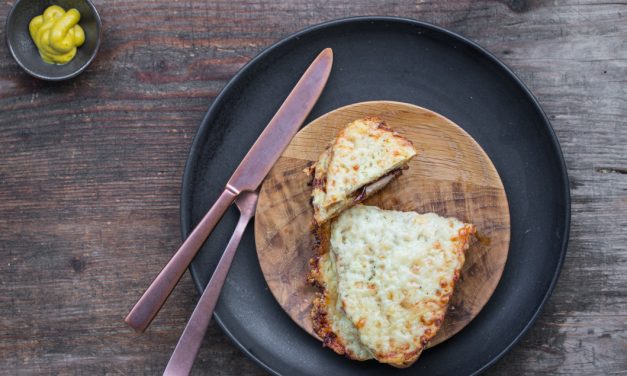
(184, 354)
(158, 292)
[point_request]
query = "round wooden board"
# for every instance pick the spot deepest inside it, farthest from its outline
(451, 176)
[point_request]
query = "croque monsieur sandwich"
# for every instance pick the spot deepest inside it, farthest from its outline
(364, 157)
(384, 277)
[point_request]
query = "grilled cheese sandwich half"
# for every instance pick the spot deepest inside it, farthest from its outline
(364, 157)
(385, 280)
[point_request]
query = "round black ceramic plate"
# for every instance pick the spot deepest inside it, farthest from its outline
(400, 60)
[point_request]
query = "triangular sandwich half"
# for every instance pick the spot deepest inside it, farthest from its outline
(386, 278)
(364, 157)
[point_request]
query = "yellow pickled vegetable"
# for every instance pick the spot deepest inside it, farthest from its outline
(56, 34)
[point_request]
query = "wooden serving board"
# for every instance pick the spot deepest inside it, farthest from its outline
(451, 176)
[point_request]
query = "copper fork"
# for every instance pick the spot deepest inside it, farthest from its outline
(184, 354)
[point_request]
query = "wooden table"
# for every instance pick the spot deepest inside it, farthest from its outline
(90, 175)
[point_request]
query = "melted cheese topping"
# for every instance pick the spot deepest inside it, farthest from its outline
(395, 274)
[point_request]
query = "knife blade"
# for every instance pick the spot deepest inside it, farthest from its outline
(283, 126)
(247, 177)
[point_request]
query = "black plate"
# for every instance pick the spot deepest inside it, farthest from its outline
(408, 61)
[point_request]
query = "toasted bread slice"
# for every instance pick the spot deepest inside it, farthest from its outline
(394, 273)
(329, 321)
(364, 157)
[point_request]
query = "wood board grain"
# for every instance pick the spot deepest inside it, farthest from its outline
(450, 176)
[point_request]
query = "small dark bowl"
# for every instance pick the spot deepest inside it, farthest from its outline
(25, 52)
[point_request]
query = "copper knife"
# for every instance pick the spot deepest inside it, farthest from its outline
(247, 178)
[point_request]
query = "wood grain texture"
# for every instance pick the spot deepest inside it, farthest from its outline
(89, 192)
(451, 176)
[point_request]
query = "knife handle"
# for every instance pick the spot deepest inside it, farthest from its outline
(187, 348)
(158, 292)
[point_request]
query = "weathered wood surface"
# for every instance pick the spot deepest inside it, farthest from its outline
(90, 175)
(451, 176)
